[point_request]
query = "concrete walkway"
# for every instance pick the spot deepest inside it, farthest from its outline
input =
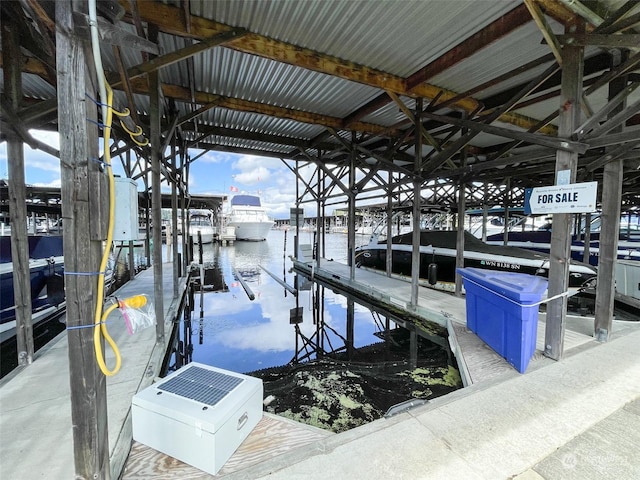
(574, 419)
(36, 438)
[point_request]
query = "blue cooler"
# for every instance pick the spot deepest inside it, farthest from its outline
(499, 311)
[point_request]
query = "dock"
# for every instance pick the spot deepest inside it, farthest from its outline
(476, 361)
(577, 418)
(35, 419)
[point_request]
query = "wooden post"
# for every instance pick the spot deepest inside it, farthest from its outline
(460, 238)
(319, 218)
(389, 255)
(132, 263)
(460, 232)
(566, 166)
(17, 199)
(413, 348)
(156, 201)
(147, 227)
(350, 328)
(174, 216)
(81, 187)
(507, 203)
(587, 238)
(351, 230)
(417, 200)
(610, 224)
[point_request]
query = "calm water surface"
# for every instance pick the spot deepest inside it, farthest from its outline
(241, 335)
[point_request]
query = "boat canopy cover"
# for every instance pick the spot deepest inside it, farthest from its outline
(245, 200)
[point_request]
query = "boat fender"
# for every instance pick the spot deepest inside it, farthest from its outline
(55, 289)
(432, 273)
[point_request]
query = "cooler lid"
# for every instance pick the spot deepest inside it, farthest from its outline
(516, 286)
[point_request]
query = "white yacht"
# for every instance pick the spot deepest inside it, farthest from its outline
(249, 218)
(200, 223)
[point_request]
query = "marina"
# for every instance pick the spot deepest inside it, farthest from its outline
(268, 224)
(480, 367)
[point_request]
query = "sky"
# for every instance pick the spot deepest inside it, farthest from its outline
(212, 173)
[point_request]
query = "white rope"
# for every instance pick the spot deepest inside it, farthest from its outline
(563, 294)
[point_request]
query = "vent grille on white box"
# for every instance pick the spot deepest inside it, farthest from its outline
(201, 385)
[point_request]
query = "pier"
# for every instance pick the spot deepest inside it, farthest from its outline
(391, 297)
(36, 407)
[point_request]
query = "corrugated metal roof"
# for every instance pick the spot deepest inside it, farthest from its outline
(393, 36)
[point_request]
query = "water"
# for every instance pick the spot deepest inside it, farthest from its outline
(241, 335)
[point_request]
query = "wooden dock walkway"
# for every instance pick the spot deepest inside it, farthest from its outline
(35, 418)
(477, 361)
(273, 436)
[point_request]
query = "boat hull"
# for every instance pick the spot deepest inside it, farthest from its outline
(251, 231)
(249, 218)
(205, 235)
(439, 248)
(47, 286)
(540, 241)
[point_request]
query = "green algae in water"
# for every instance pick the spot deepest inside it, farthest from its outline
(448, 376)
(337, 394)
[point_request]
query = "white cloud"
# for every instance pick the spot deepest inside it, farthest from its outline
(42, 161)
(212, 156)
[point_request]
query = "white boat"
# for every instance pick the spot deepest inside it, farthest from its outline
(249, 218)
(201, 227)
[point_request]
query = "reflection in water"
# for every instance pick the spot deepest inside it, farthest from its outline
(230, 331)
(347, 389)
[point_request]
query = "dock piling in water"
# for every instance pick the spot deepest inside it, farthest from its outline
(246, 287)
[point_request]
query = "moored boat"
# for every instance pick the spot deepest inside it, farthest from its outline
(249, 218)
(439, 248)
(46, 268)
(540, 241)
(201, 227)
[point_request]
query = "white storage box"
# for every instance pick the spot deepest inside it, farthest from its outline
(198, 414)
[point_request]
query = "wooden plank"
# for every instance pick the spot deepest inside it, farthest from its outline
(272, 436)
(618, 41)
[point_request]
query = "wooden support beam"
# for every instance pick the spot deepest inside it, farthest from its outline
(496, 30)
(169, 19)
(566, 167)
(616, 120)
(593, 121)
(170, 58)
(429, 139)
(545, 29)
(155, 115)
(417, 201)
(17, 202)
(441, 157)
(536, 139)
(77, 119)
(611, 41)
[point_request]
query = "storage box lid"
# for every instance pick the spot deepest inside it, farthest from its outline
(520, 287)
(199, 395)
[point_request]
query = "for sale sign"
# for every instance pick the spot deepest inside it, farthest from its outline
(571, 198)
